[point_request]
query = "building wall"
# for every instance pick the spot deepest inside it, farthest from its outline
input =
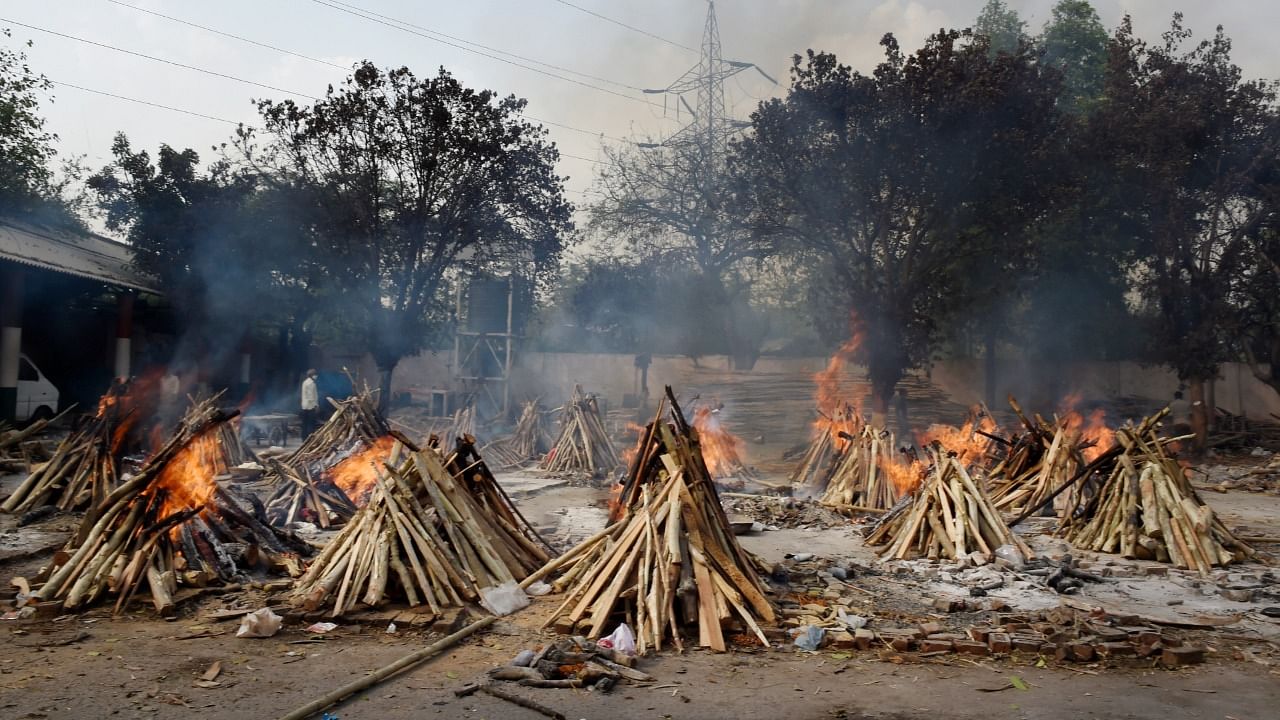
(553, 375)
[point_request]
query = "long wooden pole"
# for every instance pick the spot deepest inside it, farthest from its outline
(383, 673)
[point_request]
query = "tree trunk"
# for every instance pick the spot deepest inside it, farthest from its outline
(1211, 404)
(1199, 416)
(989, 364)
(385, 370)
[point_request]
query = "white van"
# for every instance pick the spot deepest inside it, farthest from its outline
(37, 397)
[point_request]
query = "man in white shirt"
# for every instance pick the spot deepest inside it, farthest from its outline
(310, 404)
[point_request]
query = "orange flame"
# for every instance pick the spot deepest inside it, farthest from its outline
(721, 449)
(187, 480)
(629, 454)
(830, 394)
(906, 474)
(357, 475)
(615, 502)
(965, 442)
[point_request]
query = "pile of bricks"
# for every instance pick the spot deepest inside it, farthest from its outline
(1059, 634)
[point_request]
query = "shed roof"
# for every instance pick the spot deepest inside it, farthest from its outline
(82, 254)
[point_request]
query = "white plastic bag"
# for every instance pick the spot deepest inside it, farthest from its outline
(621, 639)
(259, 624)
(537, 589)
(503, 599)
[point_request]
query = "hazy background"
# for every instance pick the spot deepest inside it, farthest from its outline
(766, 32)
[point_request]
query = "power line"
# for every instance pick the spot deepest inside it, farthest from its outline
(482, 46)
(409, 28)
(188, 23)
(157, 59)
(629, 27)
(323, 62)
(143, 102)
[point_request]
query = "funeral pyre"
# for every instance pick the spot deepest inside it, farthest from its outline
(169, 526)
(668, 560)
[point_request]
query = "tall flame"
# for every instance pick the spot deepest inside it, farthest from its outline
(721, 449)
(1091, 429)
(839, 407)
(965, 442)
(187, 480)
(357, 475)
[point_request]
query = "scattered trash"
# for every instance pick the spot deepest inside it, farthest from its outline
(321, 628)
(809, 637)
(259, 624)
(1010, 557)
(621, 639)
(800, 557)
(538, 589)
(524, 658)
(504, 599)
(853, 622)
(391, 628)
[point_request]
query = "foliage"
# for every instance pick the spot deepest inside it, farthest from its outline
(1075, 43)
(1001, 26)
(406, 183)
(902, 181)
(1195, 145)
(29, 188)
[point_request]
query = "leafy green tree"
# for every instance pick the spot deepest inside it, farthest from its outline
(1195, 144)
(405, 184)
(901, 181)
(217, 238)
(1075, 43)
(29, 187)
(1002, 27)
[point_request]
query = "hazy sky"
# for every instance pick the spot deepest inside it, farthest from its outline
(766, 32)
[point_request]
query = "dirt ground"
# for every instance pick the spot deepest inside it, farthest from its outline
(139, 665)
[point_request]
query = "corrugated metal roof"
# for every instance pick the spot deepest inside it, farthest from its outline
(82, 254)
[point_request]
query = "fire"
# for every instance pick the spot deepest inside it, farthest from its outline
(721, 449)
(831, 396)
(965, 442)
(1092, 429)
(127, 403)
(629, 454)
(187, 480)
(357, 475)
(615, 502)
(905, 473)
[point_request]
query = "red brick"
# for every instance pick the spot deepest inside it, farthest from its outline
(936, 645)
(948, 605)
(862, 638)
(971, 647)
(1115, 649)
(930, 628)
(1025, 643)
(979, 633)
(1081, 651)
(1177, 657)
(1000, 642)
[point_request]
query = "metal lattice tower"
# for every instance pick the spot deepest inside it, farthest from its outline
(710, 128)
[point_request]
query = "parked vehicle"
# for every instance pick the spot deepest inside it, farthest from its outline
(37, 397)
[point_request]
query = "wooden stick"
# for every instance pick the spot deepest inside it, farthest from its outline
(377, 676)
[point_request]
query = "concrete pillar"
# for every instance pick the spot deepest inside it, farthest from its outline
(124, 333)
(11, 296)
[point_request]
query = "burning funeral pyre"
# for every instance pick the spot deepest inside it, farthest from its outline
(583, 444)
(668, 558)
(948, 515)
(1143, 506)
(721, 449)
(333, 472)
(170, 525)
(436, 532)
(526, 444)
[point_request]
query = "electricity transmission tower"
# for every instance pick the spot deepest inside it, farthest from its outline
(710, 128)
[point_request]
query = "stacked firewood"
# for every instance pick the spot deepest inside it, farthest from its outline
(583, 443)
(306, 486)
(86, 464)
(948, 516)
(668, 559)
(832, 433)
(428, 536)
(169, 525)
(1147, 508)
(18, 448)
(860, 476)
(527, 443)
(1037, 462)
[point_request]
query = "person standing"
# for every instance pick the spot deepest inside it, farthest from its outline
(310, 404)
